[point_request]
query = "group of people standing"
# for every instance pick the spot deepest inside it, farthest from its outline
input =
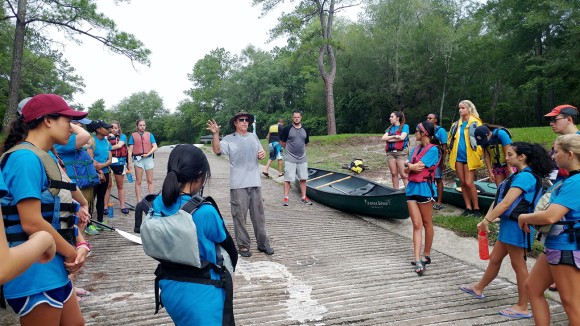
(52, 171)
(519, 170)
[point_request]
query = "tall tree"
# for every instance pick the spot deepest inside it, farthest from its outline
(75, 18)
(304, 14)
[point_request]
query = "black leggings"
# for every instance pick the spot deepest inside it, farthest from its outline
(99, 191)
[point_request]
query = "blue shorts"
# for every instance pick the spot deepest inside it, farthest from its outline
(275, 151)
(438, 173)
(56, 298)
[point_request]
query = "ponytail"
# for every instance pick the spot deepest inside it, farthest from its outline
(171, 188)
(18, 132)
(536, 157)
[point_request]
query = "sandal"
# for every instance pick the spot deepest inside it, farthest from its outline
(244, 252)
(280, 174)
(426, 260)
(266, 174)
(420, 268)
(124, 211)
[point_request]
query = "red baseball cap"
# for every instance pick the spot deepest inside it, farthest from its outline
(43, 104)
(565, 109)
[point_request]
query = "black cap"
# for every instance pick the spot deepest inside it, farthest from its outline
(481, 134)
(100, 124)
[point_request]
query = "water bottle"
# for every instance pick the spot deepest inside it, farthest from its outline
(483, 245)
(129, 176)
(110, 210)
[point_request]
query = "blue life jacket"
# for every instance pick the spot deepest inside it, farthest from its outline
(81, 169)
(520, 205)
(563, 228)
(57, 206)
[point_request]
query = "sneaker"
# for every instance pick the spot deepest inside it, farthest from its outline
(285, 203)
(477, 213)
(91, 230)
(100, 228)
(244, 252)
(466, 213)
(268, 251)
(437, 207)
(306, 201)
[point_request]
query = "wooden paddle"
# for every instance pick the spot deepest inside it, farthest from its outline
(335, 181)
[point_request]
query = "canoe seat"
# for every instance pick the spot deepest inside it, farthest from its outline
(362, 190)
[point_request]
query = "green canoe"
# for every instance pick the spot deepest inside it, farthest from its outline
(354, 194)
(486, 194)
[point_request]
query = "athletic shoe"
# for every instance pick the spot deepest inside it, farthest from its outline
(285, 203)
(268, 251)
(91, 230)
(437, 207)
(100, 228)
(466, 213)
(477, 213)
(306, 201)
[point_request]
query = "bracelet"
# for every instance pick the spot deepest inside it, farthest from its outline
(86, 247)
(84, 244)
(485, 218)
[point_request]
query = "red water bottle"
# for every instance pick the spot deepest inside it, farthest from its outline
(483, 245)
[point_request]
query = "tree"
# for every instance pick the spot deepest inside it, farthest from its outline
(75, 18)
(303, 15)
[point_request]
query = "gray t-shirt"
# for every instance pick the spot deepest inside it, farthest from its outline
(243, 153)
(296, 146)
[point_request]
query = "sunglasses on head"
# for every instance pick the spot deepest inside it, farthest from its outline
(244, 119)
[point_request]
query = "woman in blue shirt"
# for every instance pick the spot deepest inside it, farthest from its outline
(397, 142)
(560, 261)
(190, 303)
(522, 188)
(43, 293)
(422, 192)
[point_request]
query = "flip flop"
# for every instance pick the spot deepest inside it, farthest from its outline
(266, 174)
(468, 290)
(509, 312)
(280, 174)
(81, 292)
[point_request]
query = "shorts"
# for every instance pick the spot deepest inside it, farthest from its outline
(144, 163)
(563, 257)
(402, 155)
(275, 151)
(502, 170)
(117, 169)
(56, 298)
(421, 199)
(293, 170)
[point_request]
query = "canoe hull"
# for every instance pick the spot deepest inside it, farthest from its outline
(485, 198)
(356, 195)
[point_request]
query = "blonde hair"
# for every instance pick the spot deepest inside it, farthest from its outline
(118, 125)
(471, 107)
(570, 143)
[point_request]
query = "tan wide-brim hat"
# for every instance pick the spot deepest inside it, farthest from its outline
(240, 114)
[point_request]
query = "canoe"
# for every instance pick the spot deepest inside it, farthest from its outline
(485, 195)
(356, 195)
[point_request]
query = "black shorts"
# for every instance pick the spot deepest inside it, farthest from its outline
(117, 169)
(420, 199)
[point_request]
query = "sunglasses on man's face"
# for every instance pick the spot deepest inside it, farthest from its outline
(555, 119)
(244, 120)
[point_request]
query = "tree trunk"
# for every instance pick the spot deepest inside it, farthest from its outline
(538, 106)
(16, 72)
(495, 99)
(328, 77)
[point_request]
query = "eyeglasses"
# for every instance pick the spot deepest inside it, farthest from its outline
(554, 119)
(244, 120)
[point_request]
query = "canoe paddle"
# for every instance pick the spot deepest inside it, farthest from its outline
(126, 235)
(131, 207)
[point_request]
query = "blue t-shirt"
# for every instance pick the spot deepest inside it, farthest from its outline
(132, 142)
(501, 137)
(509, 231)
(441, 134)
(102, 151)
(25, 178)
(120, 161)
(3, 188)
(193, 303)
(567, 196)
(424, 189)
(392, 130)
(461, 146)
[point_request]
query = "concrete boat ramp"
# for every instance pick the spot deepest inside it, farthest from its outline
(330, 268)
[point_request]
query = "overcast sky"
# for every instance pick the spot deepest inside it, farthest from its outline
(178, 32)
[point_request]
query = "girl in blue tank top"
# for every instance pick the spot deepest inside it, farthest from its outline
(43, 294)
(560, 261)
(532, 163)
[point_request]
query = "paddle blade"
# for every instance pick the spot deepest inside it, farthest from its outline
(129, 236)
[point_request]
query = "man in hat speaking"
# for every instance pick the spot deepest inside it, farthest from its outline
(245, 151)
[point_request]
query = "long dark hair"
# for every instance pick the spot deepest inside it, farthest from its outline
(186, 163)
(401, 117)
(536, 156)
(19, 130)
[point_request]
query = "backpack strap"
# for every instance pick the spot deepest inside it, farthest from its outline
(453, 131)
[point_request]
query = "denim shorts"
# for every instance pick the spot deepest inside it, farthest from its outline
(563, 257)
(56, 298)
(144, 163)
